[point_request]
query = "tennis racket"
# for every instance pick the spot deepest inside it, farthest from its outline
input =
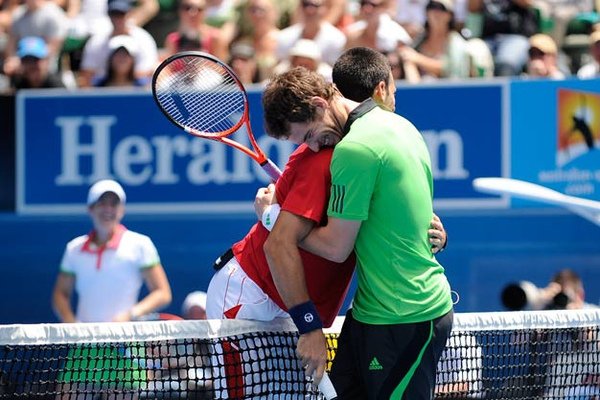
(588, 209)
(203, 96)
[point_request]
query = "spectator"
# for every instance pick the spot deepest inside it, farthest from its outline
(143, 12)
(338, 13)
(263, 34)
(565, 291)
(460, 368)
(543, 58)
(568, 285)
(396, 64)
(307, 54)
(221, 14)
(411, 15)
(96, 51)
(562, 12)
(243, 63)
(376, 29)
(507, 25)
(181, 358)
(193, 33)
(571, 372)
(592, 69)
(7, 8)
(88, 17)
(121, 64)
(312, 25)
(41, 18)
(286, 13)
(443, 52)
(194, 305)
(480, 58)
(108, 266)
(34, 71)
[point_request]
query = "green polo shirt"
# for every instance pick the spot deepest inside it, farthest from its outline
(381, 175)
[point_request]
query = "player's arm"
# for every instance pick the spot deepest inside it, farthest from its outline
(281, 250)
(159, 294)
(334, 241)
(267, 210)
(61, 297)
(144, 12)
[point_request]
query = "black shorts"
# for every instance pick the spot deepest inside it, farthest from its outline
(389, 361)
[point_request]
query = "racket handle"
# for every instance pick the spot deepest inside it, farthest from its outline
(271, 169)
(326, 387)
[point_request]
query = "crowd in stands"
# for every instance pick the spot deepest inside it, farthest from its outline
(91, 43)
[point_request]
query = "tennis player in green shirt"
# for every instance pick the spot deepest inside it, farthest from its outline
(381, 207)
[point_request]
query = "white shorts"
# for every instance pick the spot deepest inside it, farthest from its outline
(233, 295)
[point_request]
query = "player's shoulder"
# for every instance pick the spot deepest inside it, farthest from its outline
(304, 154)
(135, 237)
(77, 242)
(380, 120)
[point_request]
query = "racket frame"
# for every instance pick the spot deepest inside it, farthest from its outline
(256, 152)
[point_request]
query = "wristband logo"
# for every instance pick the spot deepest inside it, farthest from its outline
(308, 317)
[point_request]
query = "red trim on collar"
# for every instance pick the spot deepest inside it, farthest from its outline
(113, 243)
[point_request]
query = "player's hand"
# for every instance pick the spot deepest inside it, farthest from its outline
(312, 350)
(122, 317)
(265, 196)
(437, 235)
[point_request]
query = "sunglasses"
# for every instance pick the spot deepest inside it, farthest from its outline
(307, 4)
(257, 10)
(190, 7)
(536, 53)
(365, 3)
(116, 14)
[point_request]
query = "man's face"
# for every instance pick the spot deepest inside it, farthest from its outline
(312, 9)
(322, 132)
(35, 70)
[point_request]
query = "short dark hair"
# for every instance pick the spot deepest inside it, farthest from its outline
(358, 71)
(287, 98)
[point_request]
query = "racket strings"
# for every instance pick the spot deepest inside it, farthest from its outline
(201, 95)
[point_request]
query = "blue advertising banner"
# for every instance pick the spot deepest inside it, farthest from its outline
(68, 140)
(555, 135)
(465, 129)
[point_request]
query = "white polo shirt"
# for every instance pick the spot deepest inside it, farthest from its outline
(108, 279)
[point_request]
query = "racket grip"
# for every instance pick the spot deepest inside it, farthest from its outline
(326, 387)
(271, 169)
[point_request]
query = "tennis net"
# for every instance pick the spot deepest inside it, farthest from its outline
(506, 355)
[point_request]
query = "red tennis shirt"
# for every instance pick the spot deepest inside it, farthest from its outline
(302, 189)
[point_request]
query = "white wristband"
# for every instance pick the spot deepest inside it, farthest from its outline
(270, 215)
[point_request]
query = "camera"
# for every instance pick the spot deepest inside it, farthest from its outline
(525, 295)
